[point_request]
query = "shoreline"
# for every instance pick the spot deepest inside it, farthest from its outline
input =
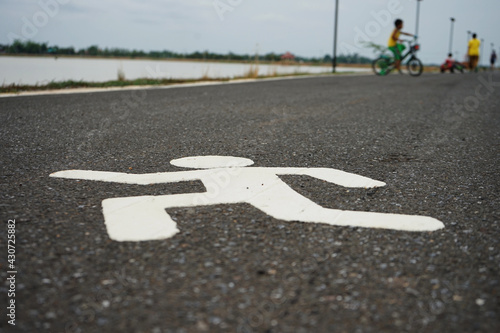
(177, 84)
(121, 83)
(251, 73)
(69, 87)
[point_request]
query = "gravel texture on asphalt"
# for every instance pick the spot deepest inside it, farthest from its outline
(435, 141)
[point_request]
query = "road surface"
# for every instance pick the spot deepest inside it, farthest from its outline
(433, 140)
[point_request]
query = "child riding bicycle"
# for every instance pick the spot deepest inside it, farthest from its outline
(396, 47)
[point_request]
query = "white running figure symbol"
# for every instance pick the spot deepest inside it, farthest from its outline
(228, 181)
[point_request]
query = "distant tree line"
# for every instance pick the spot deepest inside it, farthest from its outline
(30, 47)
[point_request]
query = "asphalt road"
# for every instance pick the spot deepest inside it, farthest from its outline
(434, 140)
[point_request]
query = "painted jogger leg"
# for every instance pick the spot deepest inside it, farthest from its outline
(137, 219)
(145, 218)
(288, 205)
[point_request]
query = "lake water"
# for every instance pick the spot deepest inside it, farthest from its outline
(42, 70)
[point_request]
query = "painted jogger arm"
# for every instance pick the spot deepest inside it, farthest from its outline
(126, 178)
(335, 176)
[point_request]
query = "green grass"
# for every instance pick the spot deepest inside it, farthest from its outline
(17, 88)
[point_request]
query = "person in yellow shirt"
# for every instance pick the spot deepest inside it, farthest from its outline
(473, 52)
(393, 44)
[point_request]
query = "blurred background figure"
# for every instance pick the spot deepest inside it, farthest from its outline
(473, 52)
(493, 59)
(451, 65)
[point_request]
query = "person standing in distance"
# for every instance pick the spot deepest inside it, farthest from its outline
(493, 59)
(473, 52)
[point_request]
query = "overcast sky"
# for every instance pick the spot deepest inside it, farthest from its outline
(303, 27)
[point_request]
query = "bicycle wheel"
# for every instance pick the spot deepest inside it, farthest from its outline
(381, 66)
(415, 67)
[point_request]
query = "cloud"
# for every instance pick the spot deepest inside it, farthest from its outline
(302, 27)
(271, 17)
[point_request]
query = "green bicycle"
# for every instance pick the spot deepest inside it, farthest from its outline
(384, 64)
